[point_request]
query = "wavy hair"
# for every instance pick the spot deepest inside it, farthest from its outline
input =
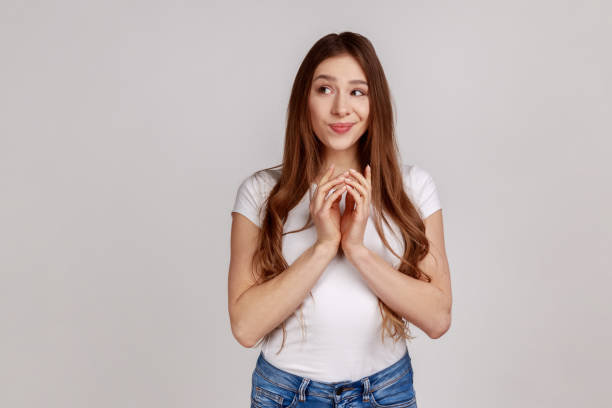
(302, 161)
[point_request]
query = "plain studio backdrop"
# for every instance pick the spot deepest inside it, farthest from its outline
(127, 126)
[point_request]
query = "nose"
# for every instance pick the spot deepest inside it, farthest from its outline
(340, 106)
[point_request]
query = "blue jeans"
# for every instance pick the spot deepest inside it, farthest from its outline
(390, 387)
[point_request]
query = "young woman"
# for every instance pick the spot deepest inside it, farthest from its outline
(337, 249)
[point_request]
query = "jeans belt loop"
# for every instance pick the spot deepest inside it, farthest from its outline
(305, 382)
(366, 389)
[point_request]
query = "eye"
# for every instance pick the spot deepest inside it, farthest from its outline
(322, 87)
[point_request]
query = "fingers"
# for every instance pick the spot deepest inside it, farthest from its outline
(363, 180)
(355, 199)
(357, 186)
(360, 186)
(349, 202)
(335, 203)
(323, 190)
(333, 197)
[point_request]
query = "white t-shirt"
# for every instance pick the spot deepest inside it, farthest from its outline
(342, 339)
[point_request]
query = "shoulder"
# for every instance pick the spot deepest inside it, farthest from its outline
(421, 189)
(253, 191)
(260, 181)
(415, 176)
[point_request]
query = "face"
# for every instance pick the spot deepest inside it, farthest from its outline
(339, 94)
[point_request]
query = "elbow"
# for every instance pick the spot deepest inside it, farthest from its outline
(442, 322)
(243, 341)
(442, 327)
(239, 331)
(241, 337)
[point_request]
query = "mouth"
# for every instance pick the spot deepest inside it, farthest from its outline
(341, 127)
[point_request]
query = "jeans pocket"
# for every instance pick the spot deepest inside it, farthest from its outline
(264, 398)
(397, 394)
(266, 394)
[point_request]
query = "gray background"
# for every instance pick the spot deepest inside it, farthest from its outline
(126, 127)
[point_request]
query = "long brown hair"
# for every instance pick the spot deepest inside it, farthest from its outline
(303, 158)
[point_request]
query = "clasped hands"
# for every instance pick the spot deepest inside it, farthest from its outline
(346, 230)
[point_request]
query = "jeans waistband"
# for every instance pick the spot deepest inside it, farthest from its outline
(333, 390)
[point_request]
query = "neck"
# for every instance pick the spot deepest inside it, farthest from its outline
(342, 162)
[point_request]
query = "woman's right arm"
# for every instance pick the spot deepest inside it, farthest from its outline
(254, 309)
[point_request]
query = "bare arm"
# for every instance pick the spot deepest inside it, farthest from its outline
(255, 310)
(425, 304)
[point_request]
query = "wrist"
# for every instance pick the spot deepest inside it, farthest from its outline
(325, 249)
(354, 251)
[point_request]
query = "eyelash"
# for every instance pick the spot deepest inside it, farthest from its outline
(360, 90)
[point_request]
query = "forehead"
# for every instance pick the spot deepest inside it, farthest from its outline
(343, 67)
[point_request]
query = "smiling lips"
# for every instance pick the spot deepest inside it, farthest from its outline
(341, 127)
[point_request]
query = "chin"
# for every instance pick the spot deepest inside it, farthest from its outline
(340, 144)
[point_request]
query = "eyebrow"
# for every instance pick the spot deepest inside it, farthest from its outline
(331, 78)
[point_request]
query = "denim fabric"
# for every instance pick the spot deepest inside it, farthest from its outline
(388, 388)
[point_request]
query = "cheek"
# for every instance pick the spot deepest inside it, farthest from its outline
(312, 109)
(316, 112)
(363, 112)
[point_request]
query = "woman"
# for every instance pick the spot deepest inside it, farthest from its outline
(331, 303)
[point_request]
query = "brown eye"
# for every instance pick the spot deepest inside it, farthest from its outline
(322, 88)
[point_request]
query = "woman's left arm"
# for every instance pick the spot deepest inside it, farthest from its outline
(425, 304)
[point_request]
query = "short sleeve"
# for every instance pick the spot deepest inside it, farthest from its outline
(249, 199)
(423, 190)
